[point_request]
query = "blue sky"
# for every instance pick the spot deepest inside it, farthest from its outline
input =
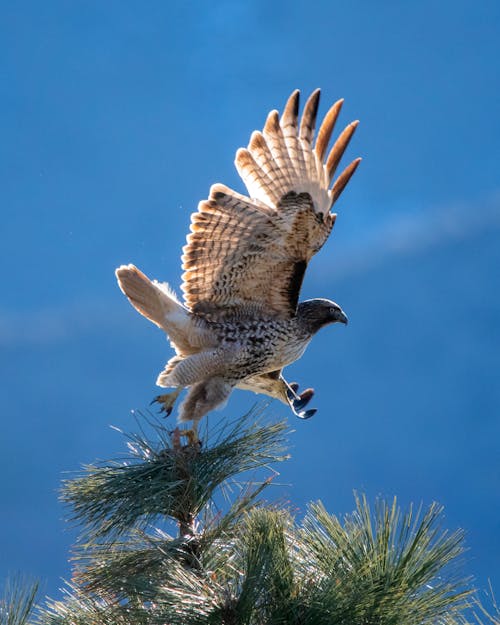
(117, 117)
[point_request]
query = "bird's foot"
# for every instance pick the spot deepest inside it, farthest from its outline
(192, 437)
(299, 402)
(167, 401)
(193, 442)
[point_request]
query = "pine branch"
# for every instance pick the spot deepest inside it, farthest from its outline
(266, 591)
(384, 568)
(79, 608)
(485, 616)
(18, 601)
(255, 564)
(162, 480)
(135, 565)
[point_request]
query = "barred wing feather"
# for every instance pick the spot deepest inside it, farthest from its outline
(247, 254)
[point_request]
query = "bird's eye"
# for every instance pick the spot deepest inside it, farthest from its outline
(332, 310)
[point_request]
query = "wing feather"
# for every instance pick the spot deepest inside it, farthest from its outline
(275, 139)
(262, 183)
(343, 179)
(306, 135)
(338, 149)
(326, 129)
(247, 253)
(288, 123)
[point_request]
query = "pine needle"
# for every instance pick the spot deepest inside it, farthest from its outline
(254, 563)
(17, 603)
(161, 480)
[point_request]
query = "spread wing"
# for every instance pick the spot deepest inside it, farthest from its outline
(246, 254)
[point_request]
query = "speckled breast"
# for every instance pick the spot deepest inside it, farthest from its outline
(261, 345)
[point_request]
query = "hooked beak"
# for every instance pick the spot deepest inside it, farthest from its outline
(342, 317)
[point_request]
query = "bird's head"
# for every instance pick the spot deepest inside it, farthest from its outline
(316, 313)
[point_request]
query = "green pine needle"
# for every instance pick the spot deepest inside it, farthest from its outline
(384, 567)
(17, 603)
(268, 585)
(79, 608)
(255, 564)
(164, 481)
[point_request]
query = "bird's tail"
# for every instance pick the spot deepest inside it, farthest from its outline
(156, 301)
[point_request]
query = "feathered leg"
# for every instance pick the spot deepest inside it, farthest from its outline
(203, 397)
(205, 393)
(189, 370)
(275, 385)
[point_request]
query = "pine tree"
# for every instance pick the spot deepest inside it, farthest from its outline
(170, 536)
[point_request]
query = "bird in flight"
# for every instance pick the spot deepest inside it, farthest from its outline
(241, 321)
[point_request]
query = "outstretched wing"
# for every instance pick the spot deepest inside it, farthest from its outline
(246, 254)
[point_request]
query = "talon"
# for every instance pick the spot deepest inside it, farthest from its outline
(299, 402)
(192, 436)
(164, 404)
(307, 414)
(166, 401)
(303, 400)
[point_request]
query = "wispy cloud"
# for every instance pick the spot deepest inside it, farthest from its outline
(412, 233)
(53, 325)
(406, 235)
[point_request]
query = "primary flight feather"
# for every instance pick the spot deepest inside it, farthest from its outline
(241, 321)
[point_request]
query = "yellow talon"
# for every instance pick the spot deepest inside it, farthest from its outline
(192, 436)
(167, 401)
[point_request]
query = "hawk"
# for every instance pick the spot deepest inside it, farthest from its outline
(241, 321)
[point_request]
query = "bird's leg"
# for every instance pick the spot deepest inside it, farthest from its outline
(275, 385)
(201, 398)
(194, 443)
(298, 402)
(175, 437)
(167, 400)
(192, 435)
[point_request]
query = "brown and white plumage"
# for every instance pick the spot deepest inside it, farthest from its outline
(255, 251)
(244, 263)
